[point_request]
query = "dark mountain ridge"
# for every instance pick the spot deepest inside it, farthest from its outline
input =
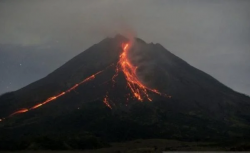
(200, 107)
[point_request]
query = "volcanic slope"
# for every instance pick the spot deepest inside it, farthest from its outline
(121, 90)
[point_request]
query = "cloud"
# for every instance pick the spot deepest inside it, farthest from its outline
(211, 35)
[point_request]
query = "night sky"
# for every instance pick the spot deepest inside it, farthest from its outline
(36, 37)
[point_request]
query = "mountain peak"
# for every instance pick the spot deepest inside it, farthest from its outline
(140, 84)
(119, 36)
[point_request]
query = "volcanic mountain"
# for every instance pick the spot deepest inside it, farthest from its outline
(120, 90)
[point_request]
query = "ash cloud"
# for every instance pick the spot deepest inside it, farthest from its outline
(210, 35)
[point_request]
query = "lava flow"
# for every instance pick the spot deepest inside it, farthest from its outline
(24, 110)
(20, 111)
(139, 90)
(106, 102)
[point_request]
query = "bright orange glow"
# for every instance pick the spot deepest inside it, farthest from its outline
(24, 110)
(56, 96)
(106, 102)
(139, 90)
(36, 106)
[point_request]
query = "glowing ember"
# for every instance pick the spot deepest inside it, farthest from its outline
(106, 102)
(20, 111)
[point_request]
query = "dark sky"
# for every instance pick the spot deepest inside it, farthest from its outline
(37, 36)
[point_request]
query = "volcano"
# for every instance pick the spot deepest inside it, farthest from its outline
(120, 90)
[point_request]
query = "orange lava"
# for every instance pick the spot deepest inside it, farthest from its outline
(139, 90)
(24, 110)
(20, 111)
(106, 102)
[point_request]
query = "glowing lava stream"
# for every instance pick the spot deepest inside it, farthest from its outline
(139, 90)
(24, 110)
(106, 102)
